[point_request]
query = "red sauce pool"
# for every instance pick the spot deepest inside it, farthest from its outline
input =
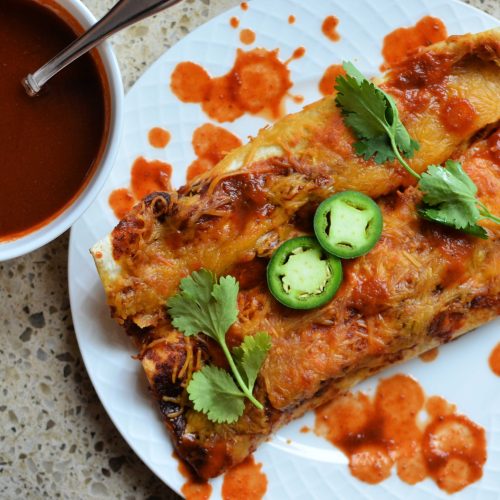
(257, 84)
(494, 360)
(327, 82)
(159, 137)
(377, 434)
(211, 144)
(50, 144)
(329, 28)
(247, 36)
(244, 481)
(403, 41)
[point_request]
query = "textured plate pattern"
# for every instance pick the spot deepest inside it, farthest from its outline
(306, 467)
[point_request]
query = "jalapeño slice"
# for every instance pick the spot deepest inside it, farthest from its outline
(301, 275)
(348, 224)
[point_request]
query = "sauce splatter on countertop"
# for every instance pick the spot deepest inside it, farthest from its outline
(234, 22)
(291, 19)
(378, 433)
(257, 84)
(403, 41)
(245, 481)
(329, 28)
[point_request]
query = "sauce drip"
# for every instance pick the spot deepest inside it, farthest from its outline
(146, 178)
(329, 28)
(244, 6)
(194, 488)
(257, 84)
(234, 22)
(211, 144)
(159, 137)
(327, 82)
(400, 43)
(494, 360)
(244, 481)
(429, 355)
(378, 433)
(291, 19)
(50, 144)
(247, 36)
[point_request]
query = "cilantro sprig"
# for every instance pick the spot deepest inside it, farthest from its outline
(450, 195)
(206, 306)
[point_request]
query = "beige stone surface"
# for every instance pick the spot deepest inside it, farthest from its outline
(56, 440)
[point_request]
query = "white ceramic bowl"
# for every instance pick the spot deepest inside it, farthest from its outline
(54, 228)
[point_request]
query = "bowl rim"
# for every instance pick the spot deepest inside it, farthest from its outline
(37, 238)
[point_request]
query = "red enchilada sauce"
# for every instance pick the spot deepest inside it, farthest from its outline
(49, 144)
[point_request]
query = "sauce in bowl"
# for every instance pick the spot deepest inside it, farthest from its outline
(50, 145)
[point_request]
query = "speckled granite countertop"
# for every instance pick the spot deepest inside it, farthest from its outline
(56, 440)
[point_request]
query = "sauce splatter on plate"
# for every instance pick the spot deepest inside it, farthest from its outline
(329, 28)
(400, 43)
(378, 433)
(327, 82)
(211, 144)
(257, 84)
(494, 360)
(147, 176)
(247, 36)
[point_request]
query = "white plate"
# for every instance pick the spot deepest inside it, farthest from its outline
(309, 467)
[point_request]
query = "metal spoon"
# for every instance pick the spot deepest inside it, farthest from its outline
(123, 14)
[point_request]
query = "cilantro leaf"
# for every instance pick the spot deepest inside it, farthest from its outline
(250, 355)
(449, 193)
(214, 392)
(373, 117)
(450, 198)
(205, 305)
(437, 215)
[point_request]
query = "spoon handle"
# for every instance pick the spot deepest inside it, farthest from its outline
(123, 14)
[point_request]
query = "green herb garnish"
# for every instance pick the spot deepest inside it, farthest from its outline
(449, 193)
(204, 305)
